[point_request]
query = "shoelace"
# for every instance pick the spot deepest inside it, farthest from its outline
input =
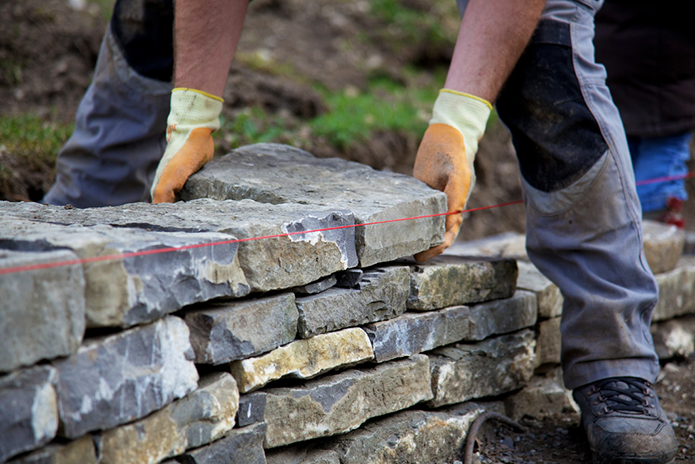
(634, 398)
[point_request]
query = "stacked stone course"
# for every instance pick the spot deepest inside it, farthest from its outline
(331, 346)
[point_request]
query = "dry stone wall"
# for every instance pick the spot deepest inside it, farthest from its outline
(147, 345)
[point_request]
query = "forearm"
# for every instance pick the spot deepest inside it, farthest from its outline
(492, 37)
(206, 35)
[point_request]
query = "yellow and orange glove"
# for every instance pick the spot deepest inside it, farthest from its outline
(444, 160)
(193, 117)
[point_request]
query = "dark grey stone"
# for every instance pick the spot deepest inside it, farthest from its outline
(243, 445)
(349, 278)
(316, 287)
(503, 316)
(251, 409)
(80, 451)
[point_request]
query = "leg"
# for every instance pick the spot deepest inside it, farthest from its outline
(120, 124)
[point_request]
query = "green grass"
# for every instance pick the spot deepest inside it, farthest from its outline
(27, 136)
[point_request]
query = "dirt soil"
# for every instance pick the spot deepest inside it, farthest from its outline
(48, 51)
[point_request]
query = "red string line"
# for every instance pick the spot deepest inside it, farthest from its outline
(94, 259)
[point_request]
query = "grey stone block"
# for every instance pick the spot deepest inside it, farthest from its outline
(413, 437)
(279, 174)
(226, 331)
(381, 294)
(676, 292)
(509, 245)
(43, 310)
(126, 291)
(316, 287)
(489, 368)
(342, 402)
(451, 281)
(201, 417)
(503, 316)
(251, 409)
(549, 298)
(28, 410)
(674, 338)
(549, 342)
(413, 333)
(244, 445)
(124, 377)
(80, 451)
(301, 455)
(663, 245)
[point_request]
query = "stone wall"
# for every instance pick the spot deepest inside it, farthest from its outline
(322, 347)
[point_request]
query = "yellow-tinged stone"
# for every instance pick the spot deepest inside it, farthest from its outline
(304, 358)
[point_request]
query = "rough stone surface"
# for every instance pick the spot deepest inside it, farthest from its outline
(413, 333)
(226, 331)
(301, 455)
(380, 294)
(544, 396)
(509, 245)
(123, 377)
(489, 368)
(451, 281)
(413, 437)
(279, 174)
(43, 310)
(316, 287)
(125, 292)
(548, 343)
(547, 293)
(676, 292)
(201, 417)
(663, 245)
(28, 410)
(251, 409)
(80, 451)
(274, 263)
(242, 445)
(304, 359)
(342, 402)
(674, 338)
(503, 316)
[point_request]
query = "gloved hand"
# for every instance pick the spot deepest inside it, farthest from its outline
(444, 160)
(193, 117)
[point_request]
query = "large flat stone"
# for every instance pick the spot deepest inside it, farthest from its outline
(301, 455)
(287, 258)
(380, 294)
(674, 338)
(43, 310)
(226, 331)
(80, 451)
(413, 333)
(676, 292)
(451, 281)
(304, 359)
(508, 245)
(549, 342)
(124, 377)
(242, 445)
(126, 291)
(503, 316)
(413, 437)
(201, 417)
(489, 368)
(342, 402)
(549, 298)
(28, 410)
(280, 174)
(663, 245)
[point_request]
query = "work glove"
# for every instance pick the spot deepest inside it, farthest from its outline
(445, 158)
(193, 117)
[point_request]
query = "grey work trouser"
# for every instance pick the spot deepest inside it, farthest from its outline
(583, 215)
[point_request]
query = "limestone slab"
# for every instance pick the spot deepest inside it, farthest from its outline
(80, 451)
(413, 437)
(28, 410)
(413, 333)
(201, 417)
(489, 368)
(676, 292)
(674, 338)
(301, 455)
(124, 377)
(304, 359)
(380, 294)
(226, 331)
(43, 310)
(242, 445)
(123, 292)
(544, 396)
(342, 402)
(290, 255)
(451, 281)
(280, 174)
(503, 316)
(549, 342)
(663, 245)
(509, 245)
(549, 298)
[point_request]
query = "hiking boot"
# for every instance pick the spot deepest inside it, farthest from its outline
(624, 422)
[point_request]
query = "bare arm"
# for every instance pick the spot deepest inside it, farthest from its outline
(206, 35)
(492, 37)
